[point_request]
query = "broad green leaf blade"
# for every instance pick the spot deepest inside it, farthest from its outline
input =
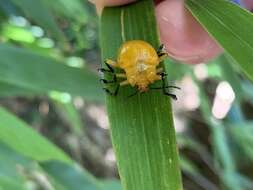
(39, 12)
(26, 69)
(65, 176)
(71, 177)
(231, 75)
(111, 185)
(73, 9)
(10, 162)
(71, 115)
(219, 136)
(7, 90)
(242, 134)
(191, 170)
(19, 136)
(227, 166)
(142, 127)
(7, 183)
(230, 25)
(16, 33)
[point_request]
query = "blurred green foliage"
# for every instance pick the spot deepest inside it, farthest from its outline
(49, 49)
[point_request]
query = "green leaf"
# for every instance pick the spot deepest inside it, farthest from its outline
(64, 176)
(71, 177)
(220, 143)
(219, 136)
(12, 90)
(39, 12)
(16, 33)
(229, 74)
(7, 183)
(230, 25)
(191, 170)
(19, 136)
(10, 162)
(181, 69)
(73, 9)
(26, 69)
(142, 127)
(111, 185)
(67, 109)
(242, 133)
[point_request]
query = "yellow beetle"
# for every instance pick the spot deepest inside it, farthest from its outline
(139, 61)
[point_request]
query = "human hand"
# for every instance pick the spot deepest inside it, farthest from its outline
(184, 38)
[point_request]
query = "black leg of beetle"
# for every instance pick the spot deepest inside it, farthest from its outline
(160, 49)
(159, 88)
(161, 52)
(109, 82)
(109, 67)
(176, 87)
(102, 70)
(173, 96)
(108, 70)
(114, 80)
(112, 93)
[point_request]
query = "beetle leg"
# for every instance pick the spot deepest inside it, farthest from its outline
(109, 68)
(110, 63)
(112, 93)
(107, 81)
(102, 70)
(121, 75)
(123, 83)
(176, 87)
(158, 77)
(159, 88)
(160, 49)
(111, 82)
(173, 96)
(162, 56)
(159, 70)
(164, 87)
(114, 80)
(161, 52)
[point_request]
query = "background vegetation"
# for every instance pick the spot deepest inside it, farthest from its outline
(54, 131)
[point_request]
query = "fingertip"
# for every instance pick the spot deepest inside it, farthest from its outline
(184, 38)
(100, 4)
(248, 4)
(108, 3)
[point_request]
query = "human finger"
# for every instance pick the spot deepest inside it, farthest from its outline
(184, 38)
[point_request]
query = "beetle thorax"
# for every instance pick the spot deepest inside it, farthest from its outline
(141, 66)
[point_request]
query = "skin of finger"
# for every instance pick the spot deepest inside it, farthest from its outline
(100, 4)
(183, 37)
(248, 4)
(110, 2)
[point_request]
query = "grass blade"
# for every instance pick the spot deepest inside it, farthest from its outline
(43, 74)
(70, 177)
(224, 21)
(17, 135)
(7, 90)
(142, 126)
(40, 13)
